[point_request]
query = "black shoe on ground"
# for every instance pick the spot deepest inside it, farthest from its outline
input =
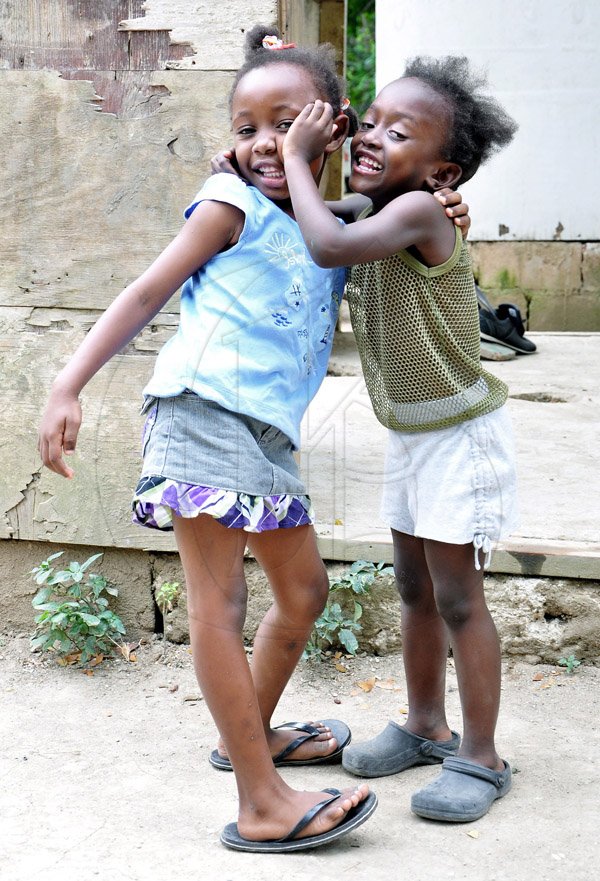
(503, 325)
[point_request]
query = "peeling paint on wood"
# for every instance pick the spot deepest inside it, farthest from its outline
(215, 32)
(62, 35)
(82, 41)
(95, 197)
(126, 94)
(81, 35)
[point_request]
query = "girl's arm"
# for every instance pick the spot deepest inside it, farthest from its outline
(351, 207)
(414, 218)
(211, 227)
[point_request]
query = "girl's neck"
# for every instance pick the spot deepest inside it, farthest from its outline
(386, 198)
(284, 205)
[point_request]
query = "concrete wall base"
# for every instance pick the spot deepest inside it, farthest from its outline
(538, 619)
(555, 284)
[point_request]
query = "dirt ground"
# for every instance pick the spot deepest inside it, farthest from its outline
(106, 776)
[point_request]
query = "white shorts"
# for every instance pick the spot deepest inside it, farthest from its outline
(456, 485)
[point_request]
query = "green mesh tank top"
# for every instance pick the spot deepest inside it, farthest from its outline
(417, 329)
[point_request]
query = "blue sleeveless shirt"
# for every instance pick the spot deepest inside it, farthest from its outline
(257, 320)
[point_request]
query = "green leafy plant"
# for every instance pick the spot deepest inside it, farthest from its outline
(167, 596)
(335, 627)
(360, 61)
(73, 616)
(570, 662)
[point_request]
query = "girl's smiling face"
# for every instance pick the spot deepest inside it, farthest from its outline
(265, 103)
(400, 141)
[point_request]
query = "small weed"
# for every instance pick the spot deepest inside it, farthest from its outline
(571, 663)
(167, 596)
(74, 618)
(336, 628)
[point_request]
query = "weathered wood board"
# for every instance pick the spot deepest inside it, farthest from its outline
(109, 114)
(93, 508)
(214, 30)
(131, 34)
(96, 197)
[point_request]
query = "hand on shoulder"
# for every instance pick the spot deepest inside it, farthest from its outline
(455, 208)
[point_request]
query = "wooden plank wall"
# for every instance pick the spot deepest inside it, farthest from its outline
(323, 22)
(109, 113)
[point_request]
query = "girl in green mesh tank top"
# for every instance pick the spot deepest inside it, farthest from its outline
(450, 478)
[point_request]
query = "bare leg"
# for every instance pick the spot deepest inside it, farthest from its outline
(293, 566)
(298, 579)
(212, 558)
(424, 640)
(460, 599)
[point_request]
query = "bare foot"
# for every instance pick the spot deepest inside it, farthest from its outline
(439, 731)
(312, 748)
(437, 734)
(283, 815)
(489, 760)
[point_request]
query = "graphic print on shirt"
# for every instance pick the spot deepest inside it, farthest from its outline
(299, 313)
(283, 249)
(295, 297)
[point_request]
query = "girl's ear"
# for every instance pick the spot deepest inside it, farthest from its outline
(340, 132)
(446, 175)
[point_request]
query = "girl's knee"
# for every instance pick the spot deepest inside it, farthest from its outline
(457, 604)
(410, 586)
(316, 593)
(454, 612)
(304, 601)
(225, 606)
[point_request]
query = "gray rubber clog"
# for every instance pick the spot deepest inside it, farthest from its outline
(395, 750)
(463, 792)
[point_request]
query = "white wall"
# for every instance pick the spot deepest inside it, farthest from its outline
(543, 65)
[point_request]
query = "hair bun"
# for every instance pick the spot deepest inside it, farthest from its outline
(255, 37)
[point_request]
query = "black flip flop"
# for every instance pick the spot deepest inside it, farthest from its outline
(339, 730)
(231, 838)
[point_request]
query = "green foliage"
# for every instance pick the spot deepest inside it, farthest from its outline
(337, 628)
(167, 596)
(505, 279)
(73, 615)
(334, 628)
(571, 663)
(360, 55)
(360, 577)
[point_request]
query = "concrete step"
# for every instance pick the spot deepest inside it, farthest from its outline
(554, 403)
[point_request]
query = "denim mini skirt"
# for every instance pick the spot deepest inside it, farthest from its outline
(200, 458)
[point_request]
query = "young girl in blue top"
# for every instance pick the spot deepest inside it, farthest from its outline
(449, 488)
(224, 407)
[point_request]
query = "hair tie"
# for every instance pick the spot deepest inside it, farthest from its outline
(273, 42)
(344, 103)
